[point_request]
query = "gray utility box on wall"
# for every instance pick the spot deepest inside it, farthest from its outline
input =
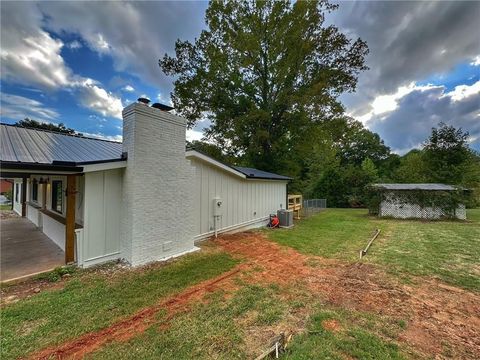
(285, 217)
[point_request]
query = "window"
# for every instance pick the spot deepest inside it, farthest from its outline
(57, 196)
(17, 190)
(35, 190)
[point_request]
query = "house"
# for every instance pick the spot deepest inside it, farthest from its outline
(6, 186)
(142, 200)
(421, 201)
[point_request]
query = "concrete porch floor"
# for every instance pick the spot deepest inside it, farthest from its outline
(25, 250)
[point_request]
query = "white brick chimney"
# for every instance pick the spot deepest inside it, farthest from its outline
(158, 217)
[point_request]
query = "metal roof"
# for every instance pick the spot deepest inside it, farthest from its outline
(35, 146)
(243, 172)
(252, 173)
(432, 187)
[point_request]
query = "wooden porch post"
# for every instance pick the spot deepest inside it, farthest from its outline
(24, 196)
(70, 220)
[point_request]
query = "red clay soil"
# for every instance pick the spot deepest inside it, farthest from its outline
(437, 313)
(138, 323)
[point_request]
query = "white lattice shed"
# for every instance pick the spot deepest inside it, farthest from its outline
(394, 205)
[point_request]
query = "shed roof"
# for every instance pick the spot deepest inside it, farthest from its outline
(430, 186)
(36, 146)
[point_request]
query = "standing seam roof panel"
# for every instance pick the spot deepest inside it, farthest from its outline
(44, 147)
(19, 147)
(8, 154)
(34, 150)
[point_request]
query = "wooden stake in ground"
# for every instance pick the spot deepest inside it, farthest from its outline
(364, 251)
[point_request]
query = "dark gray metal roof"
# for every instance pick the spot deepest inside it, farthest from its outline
(34, 146)
(259, 174)
(433, 187)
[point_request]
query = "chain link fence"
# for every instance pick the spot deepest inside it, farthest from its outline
(313, 206)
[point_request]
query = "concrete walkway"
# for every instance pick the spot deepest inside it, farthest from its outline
(25, 250)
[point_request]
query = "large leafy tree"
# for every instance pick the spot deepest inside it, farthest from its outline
(264, 73)
(448, 157)
(34, 124)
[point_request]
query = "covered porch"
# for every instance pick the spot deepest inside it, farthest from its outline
(41, 235)
(26, 250)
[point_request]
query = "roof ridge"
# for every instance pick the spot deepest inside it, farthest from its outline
(60, 133)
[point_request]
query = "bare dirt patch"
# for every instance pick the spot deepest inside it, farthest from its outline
(331, 325)
(437, 314)
(8, 214)
(139, 322)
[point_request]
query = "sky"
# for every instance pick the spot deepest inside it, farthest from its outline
(80, 63)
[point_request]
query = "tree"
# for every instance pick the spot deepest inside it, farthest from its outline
(411, 168)
(61, 128)
(264, 74)
(447, 155)
(354, 142)
(213, 151)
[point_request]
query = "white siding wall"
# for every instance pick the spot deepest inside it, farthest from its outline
(54, 230)
(246, 203)
(102, 209)
(34, 215)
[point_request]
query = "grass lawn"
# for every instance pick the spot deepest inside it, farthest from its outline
(345, 334)
(5, 207)
(217, 330)
(213, 328)
(238, 321)
(448, 250)
(94, 301)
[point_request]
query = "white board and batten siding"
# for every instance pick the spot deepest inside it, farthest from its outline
(246, 203)
(102, 213)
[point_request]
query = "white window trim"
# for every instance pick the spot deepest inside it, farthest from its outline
(50, 195)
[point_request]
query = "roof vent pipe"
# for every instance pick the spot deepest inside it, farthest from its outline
(143, 100)
(162, 107)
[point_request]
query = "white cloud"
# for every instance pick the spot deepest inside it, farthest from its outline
(463, 91)
(18, 107)
(74, 45)
(130, 32)
(32, 57)
(387, 103)
(117, 138)
(476, 61)
(98, 99)
(128, 88)
(164, 99)
(424, 107)
(100, 44)
(193, 135)
(408, 41)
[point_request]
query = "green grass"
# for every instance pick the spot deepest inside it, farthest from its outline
(5, 207)
(448, 250)
(209, 331)
(334, 233)
(357, 335)
(220, 327)
(93, 302)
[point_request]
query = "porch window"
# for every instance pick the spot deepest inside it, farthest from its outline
(57, 196)
(35, 190)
